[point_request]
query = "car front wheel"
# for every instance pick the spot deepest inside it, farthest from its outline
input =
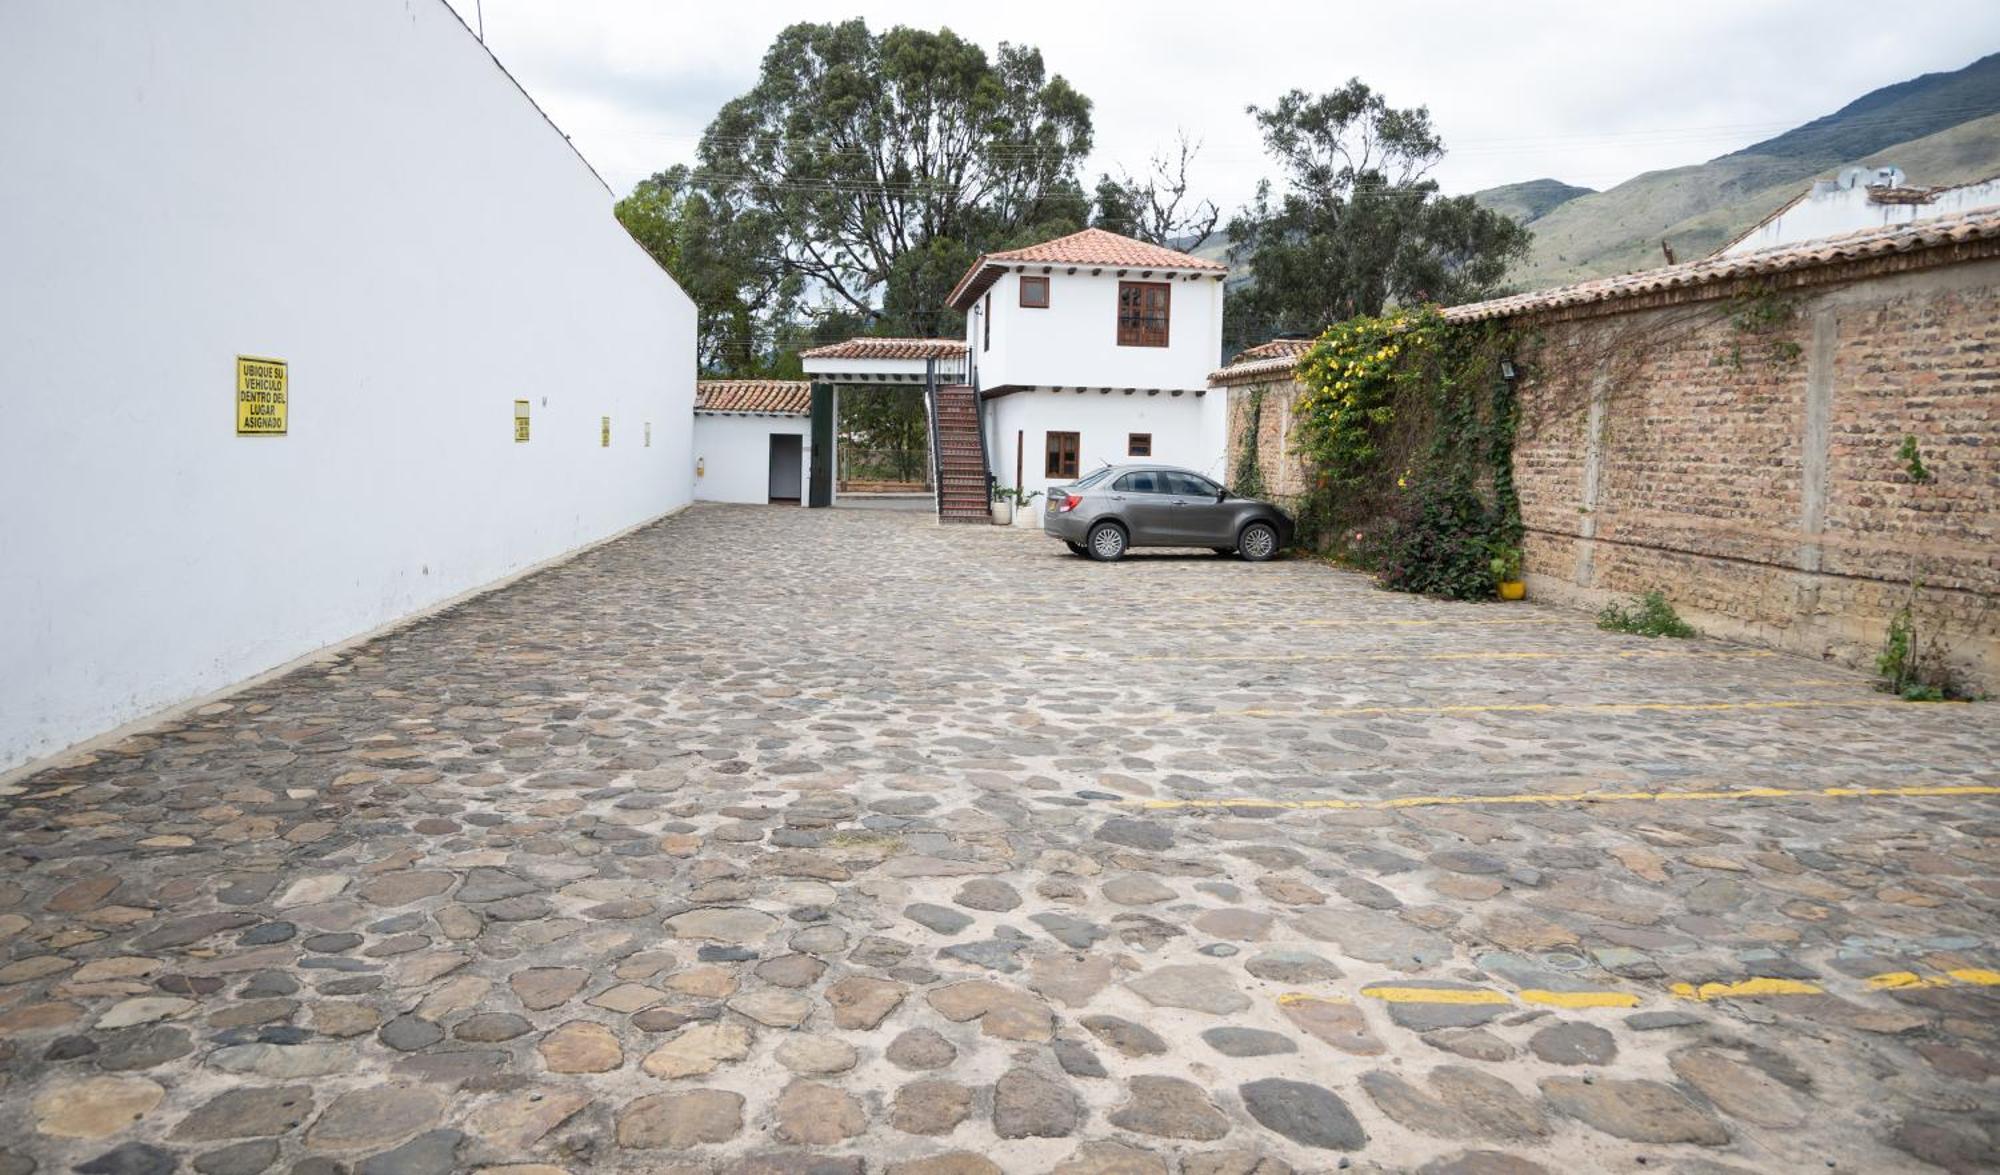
(1107, 542)
(1258, 543)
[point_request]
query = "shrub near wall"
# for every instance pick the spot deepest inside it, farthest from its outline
(1407, 429)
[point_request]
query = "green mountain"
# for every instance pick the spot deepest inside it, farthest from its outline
(1530, 201)
(1941, 128)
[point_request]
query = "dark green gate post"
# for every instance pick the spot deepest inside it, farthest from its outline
(819, 489)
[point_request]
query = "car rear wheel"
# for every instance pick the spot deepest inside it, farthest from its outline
(1107, 542)
(1076, 548)
(1258, 542)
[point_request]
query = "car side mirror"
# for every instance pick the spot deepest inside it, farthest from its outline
(1221, 494)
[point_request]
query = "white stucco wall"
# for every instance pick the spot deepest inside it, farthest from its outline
(1073, 342)
(733, 455)
(1850, 210)
(352, 186)
(1183, 432)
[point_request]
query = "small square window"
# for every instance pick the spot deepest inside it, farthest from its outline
(1139, 444)
(1035, 293)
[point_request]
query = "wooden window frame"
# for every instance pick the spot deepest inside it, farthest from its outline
(986, 322)
(1040, 283)
(1062, 454)
(1139, 333)
(1138, 444)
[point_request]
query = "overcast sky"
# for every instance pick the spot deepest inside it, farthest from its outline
(1587, 92)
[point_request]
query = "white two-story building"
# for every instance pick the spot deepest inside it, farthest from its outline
(1092, 349)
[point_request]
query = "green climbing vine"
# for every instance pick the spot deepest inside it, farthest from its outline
(1409, 431)
(1249, 479)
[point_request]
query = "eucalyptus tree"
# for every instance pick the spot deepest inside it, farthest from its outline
(1357, 223)
(879, 166)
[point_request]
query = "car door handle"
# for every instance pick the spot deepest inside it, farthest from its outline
(1178, 502)
(1118, 497)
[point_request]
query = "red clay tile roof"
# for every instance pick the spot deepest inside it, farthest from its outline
(1262, 362)
(776, 397)
(1942, 232)
(1092, 246)
(872, 348)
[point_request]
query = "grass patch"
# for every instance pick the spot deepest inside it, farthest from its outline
(1649, 615)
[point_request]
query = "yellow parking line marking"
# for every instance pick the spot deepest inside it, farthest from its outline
(1299, 997)
(1570, 707)
(1579, 999)
(1586, 797)
(1436, 995)
(1899, 980)
(1473, 655)
(1746, 989)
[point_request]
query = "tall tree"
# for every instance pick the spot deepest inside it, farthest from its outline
(710, 248)
(1359, 223)
(881, 165)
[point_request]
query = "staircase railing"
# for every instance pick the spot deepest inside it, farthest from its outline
(979, 419)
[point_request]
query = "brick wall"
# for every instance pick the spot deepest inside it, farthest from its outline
(1284, 472)
(1753, 474)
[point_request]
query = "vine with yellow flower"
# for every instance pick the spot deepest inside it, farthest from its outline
(1408, 428)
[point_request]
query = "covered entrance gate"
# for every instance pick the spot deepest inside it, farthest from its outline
(948, 477)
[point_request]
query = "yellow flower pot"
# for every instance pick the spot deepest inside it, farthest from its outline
(1513, 589)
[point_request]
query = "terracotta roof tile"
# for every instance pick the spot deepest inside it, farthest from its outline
(873, 348)
(1092, 246)
(1274, 359)
(777, 397)
(1263, 361)
(1856, 246)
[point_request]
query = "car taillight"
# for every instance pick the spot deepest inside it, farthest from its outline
(1069, 503)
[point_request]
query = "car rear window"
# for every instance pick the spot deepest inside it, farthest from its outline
(1092, 479)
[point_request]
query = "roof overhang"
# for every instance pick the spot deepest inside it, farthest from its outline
(985, 272)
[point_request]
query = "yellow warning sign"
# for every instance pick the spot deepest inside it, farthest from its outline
(261, 397)
(604, 433)
(520, 421)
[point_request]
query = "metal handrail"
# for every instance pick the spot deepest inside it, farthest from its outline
(979, 420)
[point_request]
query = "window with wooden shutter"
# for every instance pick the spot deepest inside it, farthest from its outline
(1139, 444)
(1142, 313)
(1063, 448)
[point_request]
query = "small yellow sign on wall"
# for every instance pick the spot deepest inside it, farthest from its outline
(520, 421)
(261, 397)
(604, 433)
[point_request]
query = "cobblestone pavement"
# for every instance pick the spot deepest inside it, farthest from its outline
(782, 841)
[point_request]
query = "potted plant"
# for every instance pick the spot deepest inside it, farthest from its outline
(1506, 567)
(1024, 507)
(1003, 505)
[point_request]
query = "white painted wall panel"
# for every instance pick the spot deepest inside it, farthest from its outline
(349, 185)
(1181, 427)
(1074, 341)
(733, 454)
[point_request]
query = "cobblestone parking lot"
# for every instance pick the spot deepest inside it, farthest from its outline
(769, 840)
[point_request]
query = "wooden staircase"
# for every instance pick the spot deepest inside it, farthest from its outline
(961, 460)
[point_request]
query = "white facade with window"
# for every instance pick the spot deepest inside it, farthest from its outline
(1094, 349)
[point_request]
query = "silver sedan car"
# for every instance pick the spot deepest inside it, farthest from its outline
(1120, 507)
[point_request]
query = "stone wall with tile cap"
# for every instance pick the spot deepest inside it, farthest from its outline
(1761, 487)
